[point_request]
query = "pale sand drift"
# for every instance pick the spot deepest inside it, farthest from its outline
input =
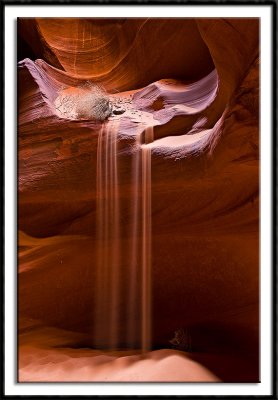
(68, 365)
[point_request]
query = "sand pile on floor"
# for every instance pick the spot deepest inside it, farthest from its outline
(44, 365)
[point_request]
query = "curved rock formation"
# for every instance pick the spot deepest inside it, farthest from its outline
(110, 50)
(196, 82)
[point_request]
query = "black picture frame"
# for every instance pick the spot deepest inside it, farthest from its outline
(4, 221)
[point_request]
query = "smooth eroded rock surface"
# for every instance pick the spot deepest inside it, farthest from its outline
(196, 82)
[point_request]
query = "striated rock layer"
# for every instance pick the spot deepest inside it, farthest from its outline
(196, 82)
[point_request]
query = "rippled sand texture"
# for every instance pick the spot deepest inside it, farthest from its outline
(139, 232)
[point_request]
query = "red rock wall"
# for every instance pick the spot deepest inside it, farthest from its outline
(205, 207)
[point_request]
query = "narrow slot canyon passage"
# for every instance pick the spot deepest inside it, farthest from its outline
(138, 199)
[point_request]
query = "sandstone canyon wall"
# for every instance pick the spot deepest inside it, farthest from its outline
(196, 83)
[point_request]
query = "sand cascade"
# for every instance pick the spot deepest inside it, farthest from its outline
(115, 306)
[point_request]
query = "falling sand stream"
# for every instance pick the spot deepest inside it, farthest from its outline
(146, 241)
(111, 320)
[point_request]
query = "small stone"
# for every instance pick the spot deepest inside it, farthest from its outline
(118, 112)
